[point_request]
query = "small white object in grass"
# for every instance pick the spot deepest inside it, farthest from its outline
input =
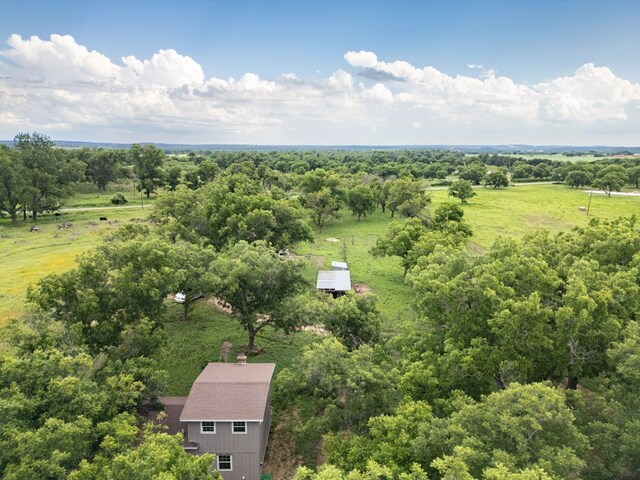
(179, 297)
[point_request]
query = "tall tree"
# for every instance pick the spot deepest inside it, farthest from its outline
(462, 190)
(361, 200)
(399, 240)
(406, 196)
(229, 209)
(611, 179)
(172, 177)
(475, 173)
(147, 163)
(157, 455)
(103, 167)
(323, 195)
(324, 205)
(12, 183)
(192, 275)
(496, 179)
(354, 319)
(578, 178)
(258, 286)
(634, 176)
(48, 173)
(118, 285)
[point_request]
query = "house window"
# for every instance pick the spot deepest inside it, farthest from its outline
(207, 427)
(225, 463)
(239, 427)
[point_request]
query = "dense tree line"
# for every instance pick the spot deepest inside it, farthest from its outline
(489, 381)
(36, 176)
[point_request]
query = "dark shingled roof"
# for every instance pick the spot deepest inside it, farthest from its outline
(173, 408)
(229, 391)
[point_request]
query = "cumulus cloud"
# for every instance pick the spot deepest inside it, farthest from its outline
(166, 68)
(64, 89)
(361, 59)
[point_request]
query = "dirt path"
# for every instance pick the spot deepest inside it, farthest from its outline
(90, 209)
(618, 194)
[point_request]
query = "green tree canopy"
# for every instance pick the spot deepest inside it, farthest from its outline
(611, 179)
(406, 196)
(361, 200)
(231, 209)
(462, 190)
(47, 172)
(147, 161)
(354, 319)
(13, 186)
(496, 179)
(103, 167)
(258, 287)
(117, 285)
(474, 173)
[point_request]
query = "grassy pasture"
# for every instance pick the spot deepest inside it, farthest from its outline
(517, 210)
(26, 257)
(383, 276)
(559, 156)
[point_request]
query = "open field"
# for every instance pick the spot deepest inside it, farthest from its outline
(27, 256)
(382, 275)
(561, 157)
(517, 210)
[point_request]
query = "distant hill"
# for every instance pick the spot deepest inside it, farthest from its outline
(502, 149)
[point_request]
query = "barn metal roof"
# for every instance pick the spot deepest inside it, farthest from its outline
(339, 266)
(334, 280)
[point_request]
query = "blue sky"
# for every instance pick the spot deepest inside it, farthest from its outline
(551, 71)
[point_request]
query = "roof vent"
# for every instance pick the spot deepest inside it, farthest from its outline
(241, 359)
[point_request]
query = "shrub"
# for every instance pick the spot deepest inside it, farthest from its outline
(118, 199)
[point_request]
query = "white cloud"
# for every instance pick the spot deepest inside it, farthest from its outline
(341, 80)
(591, 93)
(67, 91)
(361, 59)
(166, 68)
(378, 93)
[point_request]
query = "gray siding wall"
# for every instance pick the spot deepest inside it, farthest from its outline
(245, 448)
(244, 465)
(264, 434)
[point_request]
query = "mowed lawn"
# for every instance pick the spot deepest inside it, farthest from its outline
(26, 256)
(212, 336)
(382, 276)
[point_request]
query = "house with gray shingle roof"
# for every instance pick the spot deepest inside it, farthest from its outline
(227, 413)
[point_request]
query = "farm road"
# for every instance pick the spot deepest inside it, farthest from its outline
(91, 209)
(621, 194)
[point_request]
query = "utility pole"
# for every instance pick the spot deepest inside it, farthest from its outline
(589, 206)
